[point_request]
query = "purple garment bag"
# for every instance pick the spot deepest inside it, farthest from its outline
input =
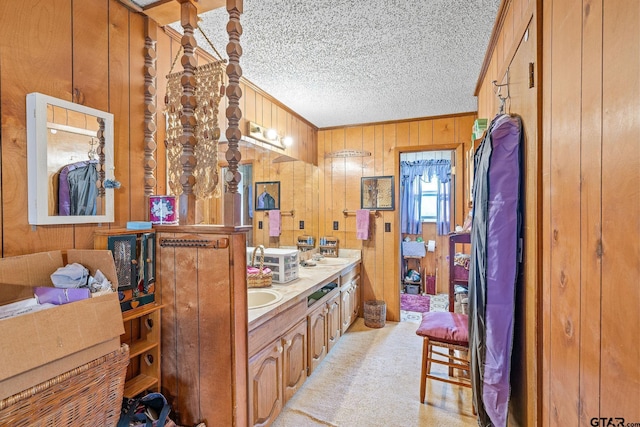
(494, 265)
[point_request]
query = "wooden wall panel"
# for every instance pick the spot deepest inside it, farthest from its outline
(620, 366)
(93, 51)
(591, 226)
(135, 88)
(119, 105)
(353, 174)
(91, 73)
(591, 157)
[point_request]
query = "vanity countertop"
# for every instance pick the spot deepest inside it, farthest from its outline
(308, 281)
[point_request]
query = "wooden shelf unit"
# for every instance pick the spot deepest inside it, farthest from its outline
(142, 324)
(303, 243)
(455, 239)
(329, 247)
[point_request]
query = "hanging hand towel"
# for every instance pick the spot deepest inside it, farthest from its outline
(362, 224)
(274, 223)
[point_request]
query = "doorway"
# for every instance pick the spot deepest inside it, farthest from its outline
(427, 209)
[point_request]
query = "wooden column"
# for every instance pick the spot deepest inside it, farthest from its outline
(231, 215)
(187, 202)
(150, 90)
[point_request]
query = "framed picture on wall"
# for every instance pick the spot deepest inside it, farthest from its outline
(376, 192)
(267, 195)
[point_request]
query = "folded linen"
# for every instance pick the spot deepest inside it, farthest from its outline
(274, 223)
(70, 276)
(58, 296)
(362, 224)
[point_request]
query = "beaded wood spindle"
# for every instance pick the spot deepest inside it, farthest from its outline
(233, 91)
(150, 91)
(187, 202)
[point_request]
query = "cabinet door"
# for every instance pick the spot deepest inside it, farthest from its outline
(333, 321)
(149, 259)
(265, 385)
(355, 299)
(125, 254)
(346, 309)
(317, 325)
(294, 359)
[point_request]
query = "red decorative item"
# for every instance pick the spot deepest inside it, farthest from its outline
(163, 210)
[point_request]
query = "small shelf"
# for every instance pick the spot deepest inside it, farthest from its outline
(140, 347)
(329, 247)
(303, 243)
(140, 311)
(455, 239)
(138, 384)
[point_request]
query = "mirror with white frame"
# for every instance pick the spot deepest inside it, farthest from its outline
(69, 158)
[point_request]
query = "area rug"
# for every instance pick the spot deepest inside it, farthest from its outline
(416, 303)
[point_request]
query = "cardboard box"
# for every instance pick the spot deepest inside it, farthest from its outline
(41, 345)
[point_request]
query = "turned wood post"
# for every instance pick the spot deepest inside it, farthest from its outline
(187, 201)
(150, 91)
(232, 201)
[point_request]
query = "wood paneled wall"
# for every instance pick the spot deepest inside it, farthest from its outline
(514, 46)
(66, 48)
(339, 189)
(591, 216)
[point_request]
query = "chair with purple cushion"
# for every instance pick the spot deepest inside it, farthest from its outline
(446, 330)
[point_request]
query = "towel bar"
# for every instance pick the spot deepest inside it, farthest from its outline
(282, 213)
(346, 213)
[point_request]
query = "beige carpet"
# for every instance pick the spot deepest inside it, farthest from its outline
(372, 378)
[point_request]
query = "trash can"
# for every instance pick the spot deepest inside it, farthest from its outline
(375, 313)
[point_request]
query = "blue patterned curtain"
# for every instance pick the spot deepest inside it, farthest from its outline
(411, 194)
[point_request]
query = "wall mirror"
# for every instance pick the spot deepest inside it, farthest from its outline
(69, 158)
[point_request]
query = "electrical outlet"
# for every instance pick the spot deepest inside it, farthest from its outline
(387, 227)
(301, 225)
(259, 225)
(335, 225)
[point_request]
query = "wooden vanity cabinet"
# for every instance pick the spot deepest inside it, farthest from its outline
(334, 326)
(202, 277)
(275, 374)
(294, 363)
(317, 323)
(350, 296)
(265, 384)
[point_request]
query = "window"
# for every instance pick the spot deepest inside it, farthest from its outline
(429, 202)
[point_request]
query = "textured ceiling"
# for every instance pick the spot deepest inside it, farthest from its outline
(339, 62)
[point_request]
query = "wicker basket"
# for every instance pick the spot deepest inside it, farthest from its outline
(375, 314)
(261, 279)
(89, 395)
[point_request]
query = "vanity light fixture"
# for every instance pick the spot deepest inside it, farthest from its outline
(272, 134)
(269, 136)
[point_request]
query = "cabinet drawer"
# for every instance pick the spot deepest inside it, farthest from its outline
(272, 329)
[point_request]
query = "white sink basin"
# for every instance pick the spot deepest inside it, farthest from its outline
(257, 298)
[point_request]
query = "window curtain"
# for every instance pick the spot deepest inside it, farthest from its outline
(412, 173)
(442, 213)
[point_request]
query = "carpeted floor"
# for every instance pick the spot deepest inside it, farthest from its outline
(371, 378)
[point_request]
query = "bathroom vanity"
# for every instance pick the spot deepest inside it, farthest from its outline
(289, 338)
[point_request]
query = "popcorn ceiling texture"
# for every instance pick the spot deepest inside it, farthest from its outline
(340, 62)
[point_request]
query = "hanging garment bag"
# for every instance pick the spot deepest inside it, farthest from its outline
(493, 269)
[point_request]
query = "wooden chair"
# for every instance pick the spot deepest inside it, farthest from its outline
(446, 330)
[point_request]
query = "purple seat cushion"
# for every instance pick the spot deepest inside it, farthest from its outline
(451, 328)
